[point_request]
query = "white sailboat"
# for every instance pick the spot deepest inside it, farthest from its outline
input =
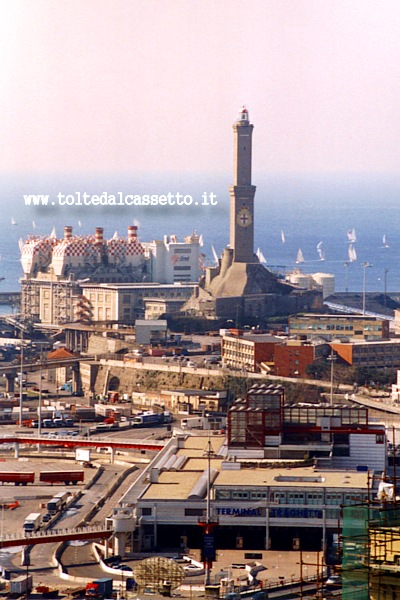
(53, 234)
(283, 236)
(385, 241)
(215, 255)
(351, 235)
(299, 257)
(261, 256)
(13, 221)
(33, 224)
(352, 253)
(321, 251)
(201, 240)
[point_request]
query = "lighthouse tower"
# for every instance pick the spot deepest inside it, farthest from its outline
(239, 273)
(242, 193)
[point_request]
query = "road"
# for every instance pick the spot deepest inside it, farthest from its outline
(41, 554)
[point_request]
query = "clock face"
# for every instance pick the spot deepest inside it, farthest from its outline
(244, 217)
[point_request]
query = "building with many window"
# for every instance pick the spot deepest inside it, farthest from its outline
(157, 307)
(292, 358)
(126, 302)
(248, 351)
(384, 354)
(278, 480)
(263, 425)
(256, 507)
(329, 327)
(55, 270)
(172, 261)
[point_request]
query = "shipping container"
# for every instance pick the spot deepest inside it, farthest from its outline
(66, 477)
(16, 478)
(20, 585)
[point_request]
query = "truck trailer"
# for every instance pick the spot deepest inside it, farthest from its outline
(58, 502)
(193, 423)
(32, 522)
(66, 477)
(151, 419)
(20, 585)
(16, 478)
(99, 588)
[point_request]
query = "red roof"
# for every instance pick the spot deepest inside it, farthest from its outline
(60, 354)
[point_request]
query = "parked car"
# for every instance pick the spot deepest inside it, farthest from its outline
(113, 560)
(193, 570)
(334, 580)
(180, 559)
(123, 568)
(46, 518)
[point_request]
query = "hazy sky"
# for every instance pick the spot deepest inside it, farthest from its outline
(155, 85)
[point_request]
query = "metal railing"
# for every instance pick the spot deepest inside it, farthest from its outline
(40, 533)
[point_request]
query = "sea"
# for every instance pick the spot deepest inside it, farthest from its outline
(292, 211)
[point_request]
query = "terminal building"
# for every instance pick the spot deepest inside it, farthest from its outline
(278, 480)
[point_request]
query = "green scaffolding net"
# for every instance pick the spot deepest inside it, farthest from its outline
(370, 551)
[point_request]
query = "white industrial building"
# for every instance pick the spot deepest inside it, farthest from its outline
(55, 270)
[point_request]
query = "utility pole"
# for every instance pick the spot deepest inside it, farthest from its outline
(385, 283)
(208, 525)
(346, 264)
(21, 378)
(364, 265)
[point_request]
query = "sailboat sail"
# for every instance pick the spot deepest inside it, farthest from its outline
(13, 221)
(215, 255)
(385, 241)
(321, 251)
(351, 235)
(300, 257)
(283, 236)
(352, 253)
(201, 240)
(260, 256)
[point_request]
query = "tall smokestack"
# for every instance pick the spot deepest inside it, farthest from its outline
(132, 233)
(67, 232)
(98, 236)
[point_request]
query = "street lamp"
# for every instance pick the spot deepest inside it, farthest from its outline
(208, 525)
(365, 266)
(40, 387)
(21, 378)
(346, 264)
(385, 297)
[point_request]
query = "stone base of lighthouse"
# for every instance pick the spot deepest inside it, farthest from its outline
(245, 279)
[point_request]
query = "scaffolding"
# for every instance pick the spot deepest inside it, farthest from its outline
(58, 307)
(371, 552)
(158, 574)
(30, 299)
(65, 295)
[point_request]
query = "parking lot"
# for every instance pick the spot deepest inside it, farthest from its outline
(33, 497)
